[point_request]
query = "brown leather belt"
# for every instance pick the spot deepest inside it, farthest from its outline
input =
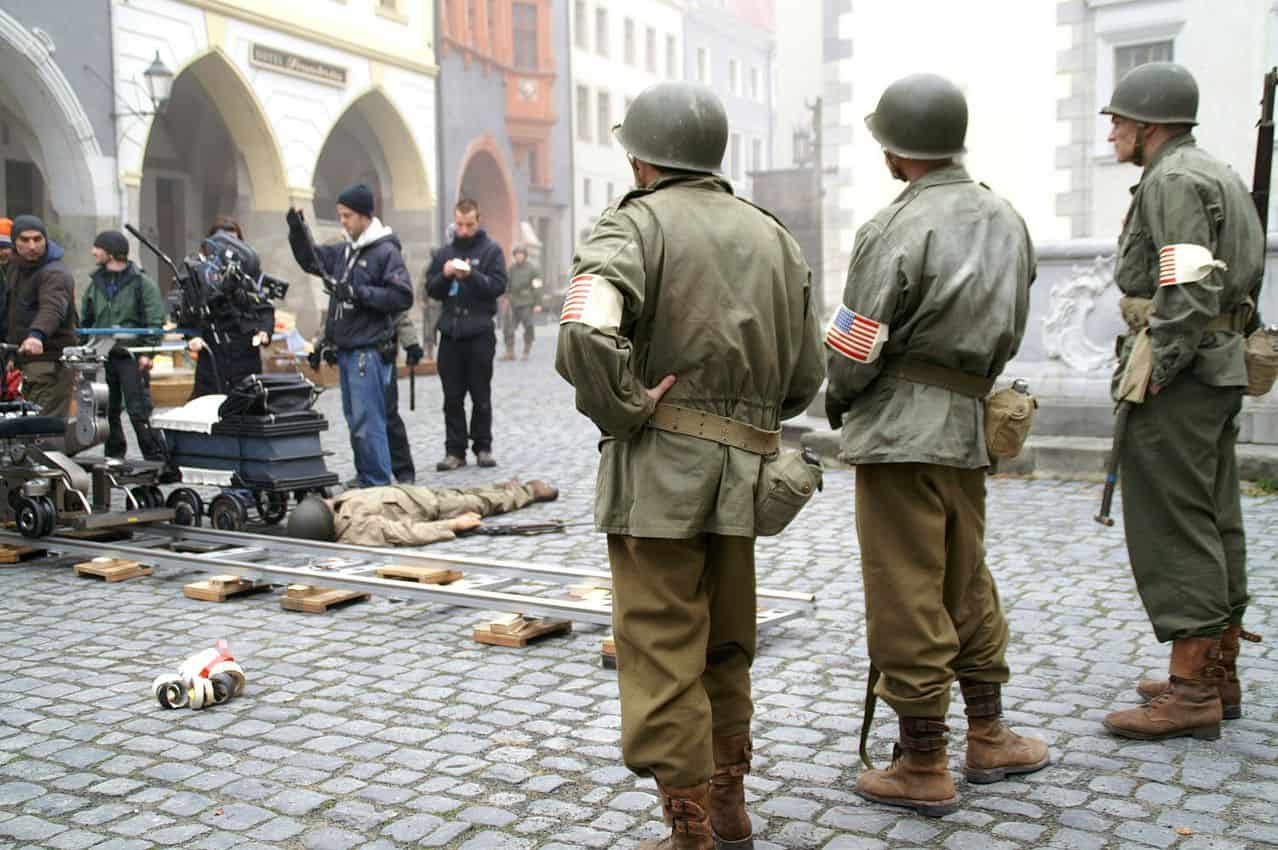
(717, 429)
(922, 372)
(1136, 314)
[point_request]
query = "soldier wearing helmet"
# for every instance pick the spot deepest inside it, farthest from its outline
(935, 305)
(1190, 264)
(688, 311)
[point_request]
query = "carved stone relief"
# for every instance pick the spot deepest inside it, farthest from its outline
(1065, 328)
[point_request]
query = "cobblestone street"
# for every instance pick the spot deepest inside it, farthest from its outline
(383, 724)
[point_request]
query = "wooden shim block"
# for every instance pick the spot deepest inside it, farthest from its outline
(98, 535)
(421, 575)
(530, 630)
(111, 569)
(590, 592)
(317, 600)
(221, 588)
(16, 554)
(507, 624)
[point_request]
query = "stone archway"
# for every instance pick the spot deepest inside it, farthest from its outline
(486, 180)
(211, 152)
(51, 152)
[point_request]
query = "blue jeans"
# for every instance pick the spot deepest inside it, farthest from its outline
(364, 380)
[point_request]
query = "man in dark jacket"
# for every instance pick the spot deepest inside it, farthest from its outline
(39, 315)
(120, 295)
(468, 275)
(370, 288)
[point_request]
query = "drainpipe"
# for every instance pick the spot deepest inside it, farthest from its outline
(439, 125)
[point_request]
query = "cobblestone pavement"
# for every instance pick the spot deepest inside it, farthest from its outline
(383, 725)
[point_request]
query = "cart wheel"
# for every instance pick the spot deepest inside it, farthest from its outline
(48, 515)
(227, 514)
(272, 506)
(145, 498)
(29, 518)
(188, 507)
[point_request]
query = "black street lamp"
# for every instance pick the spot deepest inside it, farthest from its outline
(159, 83)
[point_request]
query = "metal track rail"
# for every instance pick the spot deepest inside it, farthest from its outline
(257, 557)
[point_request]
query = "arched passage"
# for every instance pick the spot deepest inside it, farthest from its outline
(48, 146)
(486, 179)
(211, 152)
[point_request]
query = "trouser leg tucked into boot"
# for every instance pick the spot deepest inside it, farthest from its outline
(993, 751)
(1230, 686)
(728, 817)
(918, 778)
(1189, 706)
(687, 814)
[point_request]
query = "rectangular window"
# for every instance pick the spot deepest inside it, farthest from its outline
(734, 76)
(1129, 56)
(650, 50)
(582, 23)
(604, 118)
(583, 114)
(703, 65)
(756, 154)
(734, 155)
(601, 32)
(585, 191)
(672, 58)
(628, 41)
(524, 24)
(755, 92)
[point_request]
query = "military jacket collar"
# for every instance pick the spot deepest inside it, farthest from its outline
(1173, 144)
(953, 173)
(697, 181)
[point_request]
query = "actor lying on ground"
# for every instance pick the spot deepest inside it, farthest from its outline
(405, 515)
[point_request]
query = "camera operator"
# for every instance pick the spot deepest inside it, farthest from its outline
(229, 343)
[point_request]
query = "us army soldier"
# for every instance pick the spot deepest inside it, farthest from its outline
(685, 304)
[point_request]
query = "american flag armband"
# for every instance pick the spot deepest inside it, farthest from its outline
(856, 337)
(1186, 263)
(593, 301)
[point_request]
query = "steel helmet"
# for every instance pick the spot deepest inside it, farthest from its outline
(1156, 93)
(312, 520)
(922, 116)
(676, 125)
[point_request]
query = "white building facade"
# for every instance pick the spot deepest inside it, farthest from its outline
(618, 50)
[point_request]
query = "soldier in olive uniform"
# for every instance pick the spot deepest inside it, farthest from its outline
(407, 515)
(686, 303)
(935, 305)
(1190, 265)
(524, 297)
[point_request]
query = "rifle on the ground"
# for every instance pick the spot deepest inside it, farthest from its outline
(1264, 149)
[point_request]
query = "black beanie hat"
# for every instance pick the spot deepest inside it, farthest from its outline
(358, 198)
(23, 223)
(114, 243)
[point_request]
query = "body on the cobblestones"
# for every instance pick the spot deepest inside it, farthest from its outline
(1181, 501)
(405, 515)
(371, 289)
(467, 275)
(685, 297)
(935, 305)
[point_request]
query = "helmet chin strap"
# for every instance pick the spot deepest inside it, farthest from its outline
(1138, 151)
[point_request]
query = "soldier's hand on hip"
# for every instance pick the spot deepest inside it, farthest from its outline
(655, 393)
(31, 346)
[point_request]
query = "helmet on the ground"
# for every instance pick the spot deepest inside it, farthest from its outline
(1156, 93)
(676, 125)
(312, 520)
(922, 116)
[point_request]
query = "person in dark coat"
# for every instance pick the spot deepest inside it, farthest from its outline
(234, 351)
(468, 275)
(371, 287)
(38, 308)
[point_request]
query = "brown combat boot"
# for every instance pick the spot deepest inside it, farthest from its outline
(993, 751)
(728, 818)
(1190, 705)
(527, 349)
(686, 813)
(510, 352)
(918, 778)
(1230, 687)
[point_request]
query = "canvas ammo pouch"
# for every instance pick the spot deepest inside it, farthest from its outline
(787, 479)
(1262, 360)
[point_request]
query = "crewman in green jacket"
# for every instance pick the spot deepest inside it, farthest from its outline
(1190, 265)
(686, 304)
(935, 306)
(120, 295)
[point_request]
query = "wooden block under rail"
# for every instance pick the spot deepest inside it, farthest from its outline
(111, 569)
(516, 631)
(421, 575)
(222, 588)
(317, 600)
